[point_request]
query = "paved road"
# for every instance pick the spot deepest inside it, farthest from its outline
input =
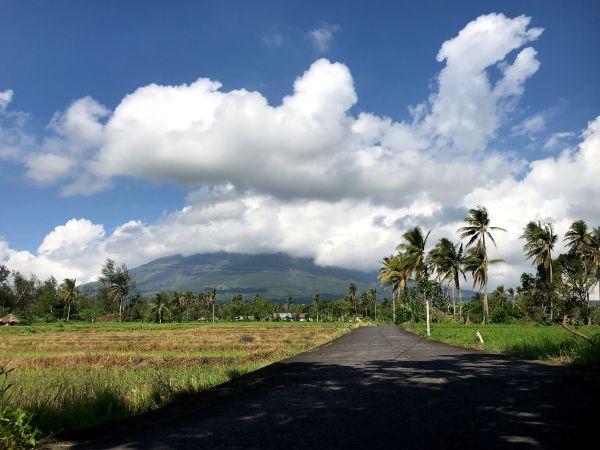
(377, 387)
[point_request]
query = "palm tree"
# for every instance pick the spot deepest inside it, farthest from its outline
(372, 293)
(477, 229)
(351, 295)
(579, 243)
(67, 292)
(595, 247)
(448, 261)
(317, 301)
(414, 248)
(477, 263)
(213, 298)
(158, 307)
(395, 273)
(539, 243)
(118, 281)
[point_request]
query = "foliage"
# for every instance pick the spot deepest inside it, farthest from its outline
(16, 430)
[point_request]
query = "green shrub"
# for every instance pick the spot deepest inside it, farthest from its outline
(15, 424)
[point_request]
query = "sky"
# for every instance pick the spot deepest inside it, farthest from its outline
(135, 130)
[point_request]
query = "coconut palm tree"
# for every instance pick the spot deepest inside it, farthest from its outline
(395, 273)
(67, 292)
(351, 295)
(158, 307)
(595, 247)
(414, 248)
(478, 264)
(539, 243)
(478, 228)
(213, 298)
(448, 262)
(118, 282)
(579, 243)
(317, 302)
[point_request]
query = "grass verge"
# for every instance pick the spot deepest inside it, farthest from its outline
(527, 341)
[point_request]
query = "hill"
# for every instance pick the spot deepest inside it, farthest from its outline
(275, 276)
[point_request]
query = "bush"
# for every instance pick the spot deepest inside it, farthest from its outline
(404, 313)
(15, 424)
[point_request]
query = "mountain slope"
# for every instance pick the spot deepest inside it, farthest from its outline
(275, 276)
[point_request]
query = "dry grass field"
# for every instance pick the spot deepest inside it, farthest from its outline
(79, 375)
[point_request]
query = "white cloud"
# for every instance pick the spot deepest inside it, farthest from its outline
(467, 109)
(531, 125)
(556, 138)
(322, 36)
(5, 98)
(46, 168)
(308, 176)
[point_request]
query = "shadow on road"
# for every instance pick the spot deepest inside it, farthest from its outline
(467, 400)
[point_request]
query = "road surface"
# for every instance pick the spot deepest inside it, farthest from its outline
(376, 387)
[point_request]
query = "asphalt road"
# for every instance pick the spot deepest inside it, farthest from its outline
(376, 387)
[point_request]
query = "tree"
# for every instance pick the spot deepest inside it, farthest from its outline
(539, 243)
(595, 249)
(448, 261)
(478, 264)
(24, 290)
(372, 296)
(395, 273)
(67, 292)
(119, 283)
(213, 298)
(413, 247)
(158, 307)
(579, 243)
(317, 302)
(478, 228)
(351, 295)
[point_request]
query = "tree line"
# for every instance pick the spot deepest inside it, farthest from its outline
(116, 299)
(424, 280)
(560, 286)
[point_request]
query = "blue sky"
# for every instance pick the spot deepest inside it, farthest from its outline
(54, 53)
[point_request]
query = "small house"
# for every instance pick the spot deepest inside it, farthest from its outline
(9, 319)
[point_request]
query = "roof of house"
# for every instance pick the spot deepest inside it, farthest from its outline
(9, 318)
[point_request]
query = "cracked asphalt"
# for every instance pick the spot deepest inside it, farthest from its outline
(375, 387)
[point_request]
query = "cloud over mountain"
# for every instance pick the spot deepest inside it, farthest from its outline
(312, 176)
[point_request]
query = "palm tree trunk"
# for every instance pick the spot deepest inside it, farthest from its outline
(486, 307)
(427, 316)
(68, 310)
(213, 310)
(394, 306)
(551, 295)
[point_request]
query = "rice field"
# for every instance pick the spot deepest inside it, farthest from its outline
(73, 376)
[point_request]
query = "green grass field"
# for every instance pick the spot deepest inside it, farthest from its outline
(528, 341)
(77, 375)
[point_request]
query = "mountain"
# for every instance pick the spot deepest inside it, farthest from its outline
(275, 276)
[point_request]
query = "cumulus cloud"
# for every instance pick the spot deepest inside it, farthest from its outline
(310, 145)
(467, 108)
(322, 36)
(348, 232)
(308, 176)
